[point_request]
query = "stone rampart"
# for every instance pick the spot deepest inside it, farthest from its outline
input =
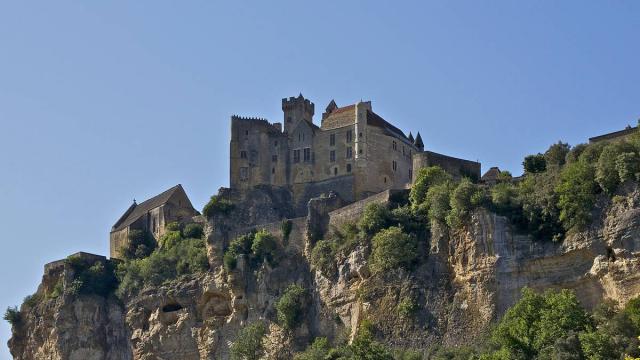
(458, 168)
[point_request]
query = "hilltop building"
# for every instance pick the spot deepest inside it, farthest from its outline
(151, 216)
(616, 135)
(354, 153)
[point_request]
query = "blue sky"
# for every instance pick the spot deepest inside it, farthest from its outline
(101, 102)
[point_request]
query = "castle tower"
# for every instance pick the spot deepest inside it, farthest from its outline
(296, 109)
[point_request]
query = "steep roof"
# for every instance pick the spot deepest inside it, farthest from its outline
(491, 174)
(135, 211)
(374, 119)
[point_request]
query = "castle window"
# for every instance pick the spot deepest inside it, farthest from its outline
(246, 133)
(360, 151)
(274, 158)
(154, 225)
(335, 171)
(307, 154)
(360, 136)
(349, 136)
(273, 170)
(349, 152)
(243, 154)
(348, 168)
(244, 173)
(395, 146)
(410, 173)
(296, 156)
(332, 140)
(402, 149)
(394, 165)
(299, 137)
(289, 119)
(385, 179)
(275, 143)
(332, 156)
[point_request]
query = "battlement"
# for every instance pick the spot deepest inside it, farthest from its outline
(293, 102)
(257, 122)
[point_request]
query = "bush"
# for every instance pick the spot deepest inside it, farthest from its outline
(181, 257)
(264, 247)
(437, 202)
(504, 198)
(323, 258)
(628, 166)
(364, 346)
(606, 172)
(537, 321)
(375, 218)
(318, 350)
(13, 316)
(257, 246)
(539, 200)
(286, 227)
(391, 249)
(140, 245)
(291, 306)
(464, 198)
(556, 154)
(248, 344)
(217, 206)
(31, 300)
(425, 179)
(173, 226)
(169, 239)
(576, 195)
(92, 278)
(407, 308)
(534, 164)
(193, 231)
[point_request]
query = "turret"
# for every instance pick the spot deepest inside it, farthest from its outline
(419, 144)
(296, 109)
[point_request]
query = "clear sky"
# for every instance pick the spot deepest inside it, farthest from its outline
(103, 102)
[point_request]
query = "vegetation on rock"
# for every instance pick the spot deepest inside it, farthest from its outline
(292, 306)
(248, 343)
(257, 247)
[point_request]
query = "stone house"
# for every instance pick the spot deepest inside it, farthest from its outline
(354, 152)
(151, 216)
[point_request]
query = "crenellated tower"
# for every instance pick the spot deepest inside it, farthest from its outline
(296, 109)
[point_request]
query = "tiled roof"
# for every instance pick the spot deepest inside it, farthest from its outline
(135, 211)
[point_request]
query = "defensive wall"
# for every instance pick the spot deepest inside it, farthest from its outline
(458, 168)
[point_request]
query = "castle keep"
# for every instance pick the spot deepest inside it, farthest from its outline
(354, 153)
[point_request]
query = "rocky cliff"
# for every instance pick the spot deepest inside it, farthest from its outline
(466, 279)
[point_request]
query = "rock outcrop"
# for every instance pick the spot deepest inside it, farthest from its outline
(466, 279)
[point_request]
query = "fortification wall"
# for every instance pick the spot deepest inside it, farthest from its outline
(302, 193)
(458, 168)
(353, 212)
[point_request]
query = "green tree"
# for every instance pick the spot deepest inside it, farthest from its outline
(437, 203)
(318, 350)
(217, 206)
(628, 166)
(534, 164)
(13, 316)
(425, 179)
(193, 230)
(375, 218)
(323, 258)
(576, 195)
(392, 248)
(464, 198)
(556, 154)
(264, 247)
(291, 306)
(248, 344)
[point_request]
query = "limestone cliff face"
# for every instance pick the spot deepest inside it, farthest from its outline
(466, 279)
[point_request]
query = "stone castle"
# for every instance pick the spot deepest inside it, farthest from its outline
(354, 153)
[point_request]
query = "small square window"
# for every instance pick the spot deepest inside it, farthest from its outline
(243, 154)
(348, 168)
(274, 158)
(349, 152)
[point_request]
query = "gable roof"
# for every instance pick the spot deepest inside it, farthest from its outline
(135, 211)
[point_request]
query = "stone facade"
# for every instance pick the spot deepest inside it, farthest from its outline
(616, 135)
(151, 216)
(354, 152)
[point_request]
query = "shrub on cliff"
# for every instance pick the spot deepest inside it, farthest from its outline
(256, 246)
(318, 350)
(464, 198)
(576, 195)
(425, 179)
(92, 278)
(375, 218)
(175, 258)
(391, 249)
(217, 206)
(556, 154)
(193, 230)
(292, 306)
(323, 258)
(13, 316)
(248, 343)
(140, 245)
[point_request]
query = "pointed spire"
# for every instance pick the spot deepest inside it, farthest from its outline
(134, 202)
(332, 106)
(411, 137)
(419, 144)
